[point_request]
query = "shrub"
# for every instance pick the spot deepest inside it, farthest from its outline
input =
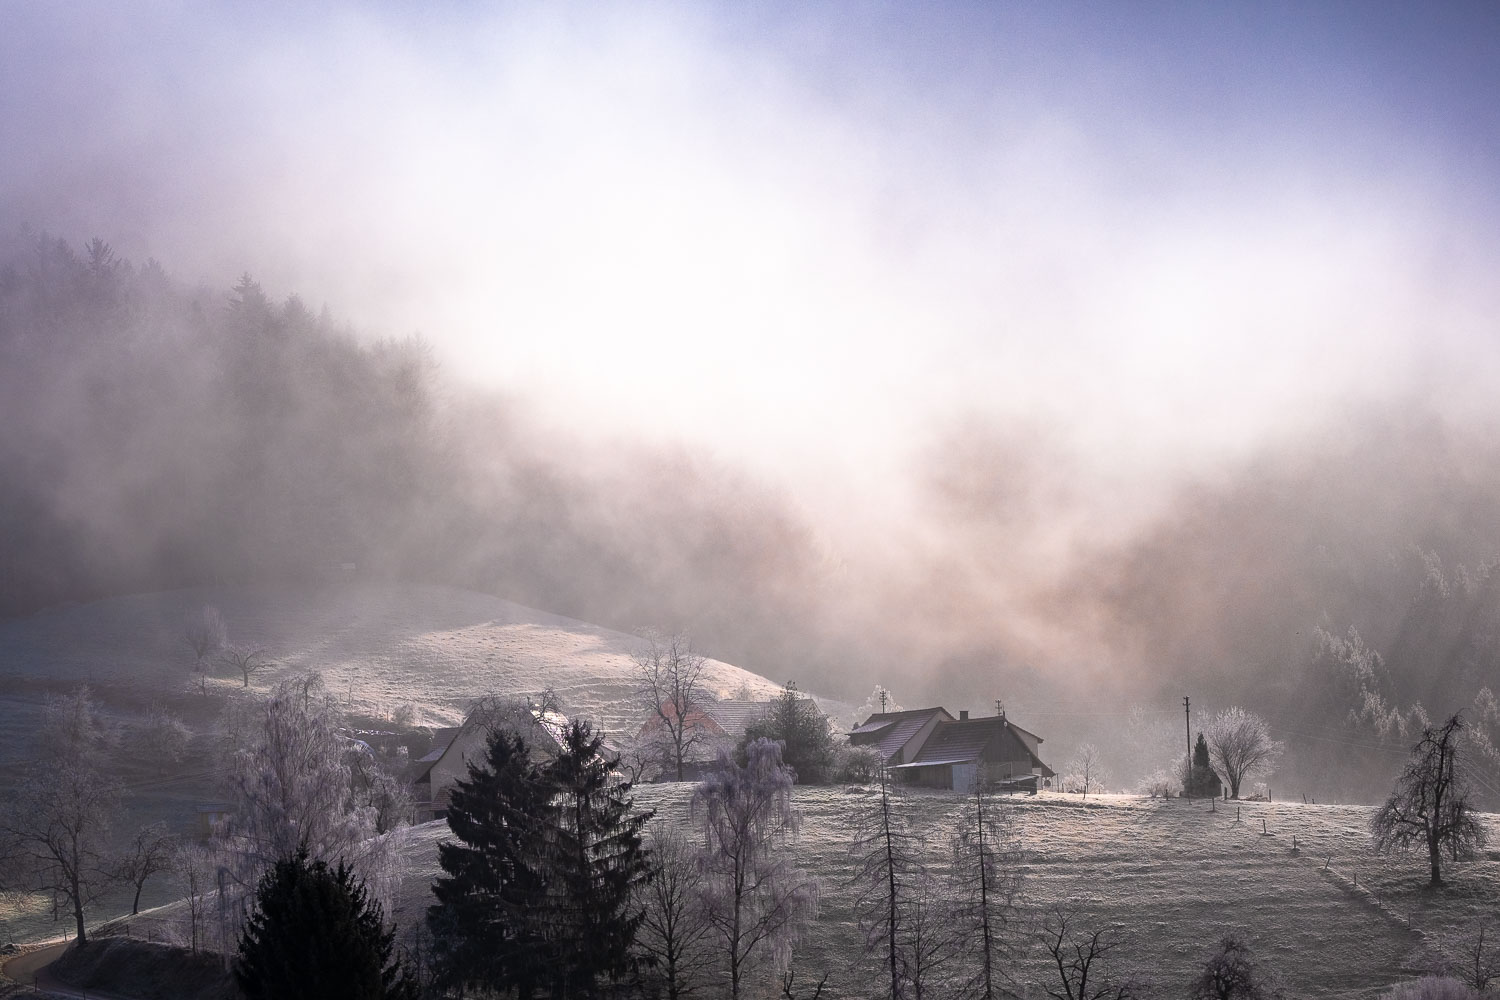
(1158, 785)
(857, 765)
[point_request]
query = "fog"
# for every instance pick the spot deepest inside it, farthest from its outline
(984, 354)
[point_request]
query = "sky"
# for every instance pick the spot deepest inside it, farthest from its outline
(820, 242)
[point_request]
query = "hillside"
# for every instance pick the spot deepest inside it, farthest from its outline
(1169, 876)
(378, 646)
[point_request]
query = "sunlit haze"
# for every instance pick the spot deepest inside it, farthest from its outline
(973, 292)
(807, 237)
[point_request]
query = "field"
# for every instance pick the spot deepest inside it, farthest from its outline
(1171, 876)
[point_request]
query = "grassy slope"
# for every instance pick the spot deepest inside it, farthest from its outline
(1169, 875)
(378, 646)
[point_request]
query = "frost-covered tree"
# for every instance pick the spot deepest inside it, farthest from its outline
(1430, 807)
(756, 900)
(1085, 770)
(55, 831)
(193, 867)
(668, 671)
(1239, 743)
(205, 634)
(880, 700)
(292, 787)
(986, 855)
(162, 737)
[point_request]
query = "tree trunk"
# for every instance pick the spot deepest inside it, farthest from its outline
(890, 871)
(135, 904)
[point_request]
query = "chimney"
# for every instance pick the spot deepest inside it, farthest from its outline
(963, 715)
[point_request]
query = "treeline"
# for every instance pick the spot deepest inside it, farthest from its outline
(155, 436)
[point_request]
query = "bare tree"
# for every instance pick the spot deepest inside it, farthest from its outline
(930, 939)
(674, 931)
(755, 900)
(194, 868)
(57, 829)
(1077, 954)
(205, 634)
(1430, 806)
(886, 872)
(1087, 768)
(986, 853)
(245, 660)
(669, 670)
(1239, 742)
(151, 852)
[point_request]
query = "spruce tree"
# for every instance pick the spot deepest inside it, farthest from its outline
(597, 864)
(316, 934)
(486, 924)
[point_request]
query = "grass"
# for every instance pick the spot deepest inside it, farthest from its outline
(1170, 876)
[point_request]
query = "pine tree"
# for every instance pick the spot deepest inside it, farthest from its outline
(485, 922)
(597, 863)
(316, 934)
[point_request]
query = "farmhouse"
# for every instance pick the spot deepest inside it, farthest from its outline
(929, 747)
(431, 777)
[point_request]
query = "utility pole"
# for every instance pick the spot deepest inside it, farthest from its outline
(1187, 713)
(883, 693)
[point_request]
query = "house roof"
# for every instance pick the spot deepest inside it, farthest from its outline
(896, 728)
(959, 742)
(734, 716)
(695, 719)
(552, 724)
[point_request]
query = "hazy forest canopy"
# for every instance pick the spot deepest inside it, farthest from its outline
(157, 436)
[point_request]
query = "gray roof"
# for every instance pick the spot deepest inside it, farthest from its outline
(897, 728)
(966, 740)
(734, 716)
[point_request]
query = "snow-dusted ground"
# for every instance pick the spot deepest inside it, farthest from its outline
(378, 646)
(1170, 877)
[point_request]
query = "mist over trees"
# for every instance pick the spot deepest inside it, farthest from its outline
(1340, 583)
(157, 437)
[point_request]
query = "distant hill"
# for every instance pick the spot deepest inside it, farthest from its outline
(379, 646)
